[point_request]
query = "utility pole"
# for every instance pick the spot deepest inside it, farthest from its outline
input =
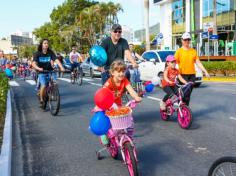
(146, 23)
(214, 25)
(214, 17)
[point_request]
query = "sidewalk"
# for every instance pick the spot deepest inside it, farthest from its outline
(6, 150)
(220, 79)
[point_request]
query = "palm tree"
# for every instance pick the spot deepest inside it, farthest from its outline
(146, 23)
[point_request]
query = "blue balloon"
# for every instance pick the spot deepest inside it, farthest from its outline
(149, 87)
(100, 123)
(8, 72)
(98, 55)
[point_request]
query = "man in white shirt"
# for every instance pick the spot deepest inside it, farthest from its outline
(75, 58)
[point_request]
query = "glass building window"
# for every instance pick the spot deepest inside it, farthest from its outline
(222, 6)
(178, 11)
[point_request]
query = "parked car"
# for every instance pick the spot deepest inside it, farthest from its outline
(66, 64)
(89, 68)
(154, 65)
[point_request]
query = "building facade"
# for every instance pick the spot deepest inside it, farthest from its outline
(21, 40)
(196, 17)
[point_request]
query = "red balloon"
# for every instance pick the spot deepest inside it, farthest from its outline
(147, 82)
(104, 98)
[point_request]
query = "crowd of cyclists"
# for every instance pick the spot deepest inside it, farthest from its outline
(118, 72)
(116, 47)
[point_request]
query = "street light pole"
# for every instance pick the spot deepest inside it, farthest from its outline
(214, 24)
(146, 23)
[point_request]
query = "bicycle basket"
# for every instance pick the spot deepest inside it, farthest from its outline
(119, 120)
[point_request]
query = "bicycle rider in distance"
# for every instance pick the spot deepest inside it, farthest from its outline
(43, 60)
(75, 58)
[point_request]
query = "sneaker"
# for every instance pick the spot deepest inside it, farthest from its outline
(104, 139)
(162, 105)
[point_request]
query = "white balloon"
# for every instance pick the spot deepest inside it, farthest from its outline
(156, 81)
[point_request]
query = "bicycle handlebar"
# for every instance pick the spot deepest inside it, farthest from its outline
(132, 104)
(184, 85)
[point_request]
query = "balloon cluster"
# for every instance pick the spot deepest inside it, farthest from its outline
(100, 123)
(150, 85)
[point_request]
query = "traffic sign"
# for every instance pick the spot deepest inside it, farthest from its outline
(207, 25)
(210, 29)
(214, 37)
(159, 36)
(205, 35)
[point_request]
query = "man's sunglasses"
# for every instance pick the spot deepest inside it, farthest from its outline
(186, 39)
(117, 31)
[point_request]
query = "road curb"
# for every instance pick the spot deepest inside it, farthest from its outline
(222, 80)
(6, 150)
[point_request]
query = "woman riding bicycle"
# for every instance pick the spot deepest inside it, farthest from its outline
(168, 83)
(43, 60)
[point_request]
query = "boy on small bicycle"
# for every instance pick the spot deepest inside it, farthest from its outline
(168, 83)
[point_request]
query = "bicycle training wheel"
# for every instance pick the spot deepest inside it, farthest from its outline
(54, 100)
(225, 166)
(185, 117)
(164, 115)
(130, 159)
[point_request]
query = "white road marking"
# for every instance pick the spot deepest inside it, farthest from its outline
(154, 98)
(97, 78)
(99, 85)
(64, 79)
(13, 83)
(232, 118)
(31, 82)
(87, 79)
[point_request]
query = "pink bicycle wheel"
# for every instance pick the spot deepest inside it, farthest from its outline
(186, 120)
(130, 159)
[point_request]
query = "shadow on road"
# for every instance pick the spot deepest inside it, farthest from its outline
(151, 158)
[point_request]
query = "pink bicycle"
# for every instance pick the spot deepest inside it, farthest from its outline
(184, 113)
(120, 140)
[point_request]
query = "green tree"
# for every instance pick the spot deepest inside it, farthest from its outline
(80, 22)
(26, 51)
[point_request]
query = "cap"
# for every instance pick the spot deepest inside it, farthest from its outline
(170, 58)
(116, 26)
(186, 35)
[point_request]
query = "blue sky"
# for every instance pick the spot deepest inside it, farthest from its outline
(25, 15)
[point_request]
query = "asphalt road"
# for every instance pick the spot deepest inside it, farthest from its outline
(63, 146)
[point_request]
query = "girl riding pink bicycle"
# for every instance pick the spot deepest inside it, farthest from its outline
(168, 83)
(175, 95)
(120, 136)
